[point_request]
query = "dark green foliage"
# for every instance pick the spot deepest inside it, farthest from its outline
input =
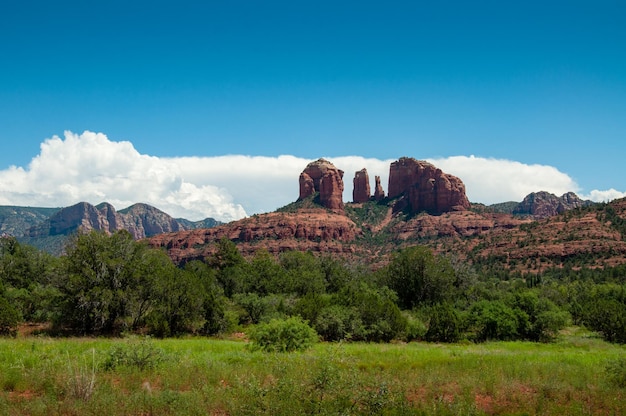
(28, 275)
(539, 319)
(9, 318)
(445, 323)
(264, 275)
(376, 314)
(419, 277)
(337, 323)
(492, 320)
(255, 307)
(213, 300)
(303, 274)
(108, 283)
(607, 316)
(283, 335)
(178, 304)
(229, 265)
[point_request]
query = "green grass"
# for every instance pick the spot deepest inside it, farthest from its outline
(198, 376)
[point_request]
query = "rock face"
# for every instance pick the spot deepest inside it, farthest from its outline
(544, 204)
(141, 220)
(315, 230)
(323, 177)
(379, 193)
(361, 190)
(424, 187)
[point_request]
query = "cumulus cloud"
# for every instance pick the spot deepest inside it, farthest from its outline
(604, 196)
(499, 180)
(90, 167)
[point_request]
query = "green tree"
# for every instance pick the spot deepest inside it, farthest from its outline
(539, 319)
(419, 277)
(265, 275)
(445, 324)
(178, 306)
(9, 318)
(302, 273)
(230, 266)
(108, 282)
(375, 311)
(492, 320)
(28, 276)
(213, 300)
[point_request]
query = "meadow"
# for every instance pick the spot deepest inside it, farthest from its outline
(578, 374)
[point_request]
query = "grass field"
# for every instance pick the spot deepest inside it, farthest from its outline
(198, 376)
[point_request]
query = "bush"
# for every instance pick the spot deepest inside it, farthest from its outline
(492, 320)
(334, 323)
(415, 328)
(444, 325)
(283, 335)
(139, 353)
(9, 318)
(607, 316)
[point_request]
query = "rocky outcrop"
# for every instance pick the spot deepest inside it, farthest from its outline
(361, 190)
(141, 220)
(315, 230)
(543, 204)
(379, 193)
(323, 177)
(424, 187)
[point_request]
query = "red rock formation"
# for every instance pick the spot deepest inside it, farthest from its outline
(361, 190)
(141, 220)
(425, 187)
(323, 177)
(379, 193)
(544, 204)
(315, 230)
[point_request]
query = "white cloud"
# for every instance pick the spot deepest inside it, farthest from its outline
(90, 167)
(604, 196)
(499, 180)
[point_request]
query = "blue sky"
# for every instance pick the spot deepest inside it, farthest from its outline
(534, 82)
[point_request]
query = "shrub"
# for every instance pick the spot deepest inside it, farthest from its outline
(9, 318)
(139, 353)
(415, 328)
(283, 335)
(607, 316)
(334, 323)
(444, 325)
(492, 320)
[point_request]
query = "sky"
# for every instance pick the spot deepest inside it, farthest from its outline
(213, 108)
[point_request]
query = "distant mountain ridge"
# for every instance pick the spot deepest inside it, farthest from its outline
(48, 228)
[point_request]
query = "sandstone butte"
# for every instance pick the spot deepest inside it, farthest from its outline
(326, 228)
(323, 177)
(427, 193)
(425, 187)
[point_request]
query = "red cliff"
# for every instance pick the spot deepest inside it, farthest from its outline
(424, 187)
(323, 177)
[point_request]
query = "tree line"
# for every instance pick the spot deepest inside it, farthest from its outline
(110, 285)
